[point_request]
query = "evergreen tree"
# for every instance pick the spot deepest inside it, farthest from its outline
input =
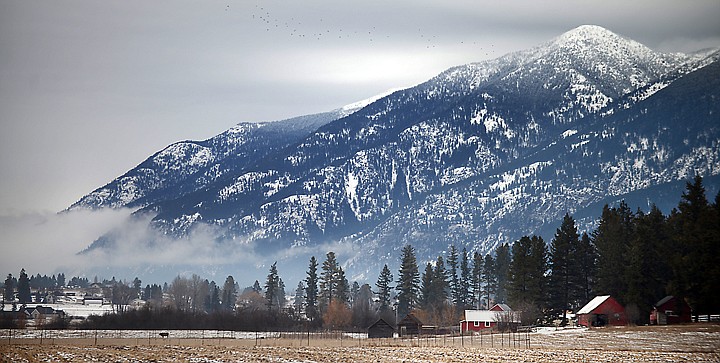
(229, 294)
(299, 302)
(280, 293)
(343, 286)
(256, 287)
(136, 287)
(383, 285)
(329, 280)
(426, 285)
(645, 272)
(526, 284)
(586, 257)
(477, 279)
(271, 288)
(696, 236)
(214, 300)
(489, 279)
(502, 267)
(563, 267)
(9, 292)
(311, 291)
(612, 239)
(362, 314)
(408, 281)
(354, 291)
(439, 286)
(23, 287)
(452, 275)
(465, 293)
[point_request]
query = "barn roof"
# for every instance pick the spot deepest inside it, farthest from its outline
(664, 300)
(593, 304)
(481, 315)
(492, 316)
(503, 307)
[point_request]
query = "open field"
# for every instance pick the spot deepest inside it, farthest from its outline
(691, 343)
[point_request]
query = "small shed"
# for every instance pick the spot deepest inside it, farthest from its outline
(601, 311)
(381, 329)
(670, 310)
(410, 325)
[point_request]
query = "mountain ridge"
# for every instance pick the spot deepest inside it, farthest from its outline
(470, 157)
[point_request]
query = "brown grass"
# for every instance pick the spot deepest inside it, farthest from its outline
(691, 343)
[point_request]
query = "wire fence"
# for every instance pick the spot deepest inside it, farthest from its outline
(516, 340)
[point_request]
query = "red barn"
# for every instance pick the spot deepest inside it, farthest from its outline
(602, 311)
(670, 310)
(500, 314)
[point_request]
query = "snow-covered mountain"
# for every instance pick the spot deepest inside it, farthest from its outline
(481, 154)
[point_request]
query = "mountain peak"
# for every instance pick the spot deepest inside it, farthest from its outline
(593, 36)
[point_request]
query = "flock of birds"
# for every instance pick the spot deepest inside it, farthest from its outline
(295, 28)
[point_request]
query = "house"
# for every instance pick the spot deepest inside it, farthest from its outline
(381, 329)
(410, 325)
(601, 311)
(40, 313)
(92, 300)
(500, 316)
(670, 310)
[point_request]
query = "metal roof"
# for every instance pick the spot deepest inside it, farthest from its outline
(593, 304)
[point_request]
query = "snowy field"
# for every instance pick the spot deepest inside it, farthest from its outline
(691, 343)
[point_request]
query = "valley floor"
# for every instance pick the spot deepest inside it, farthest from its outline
(690, 343)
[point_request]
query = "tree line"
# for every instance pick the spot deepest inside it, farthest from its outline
(637, 257)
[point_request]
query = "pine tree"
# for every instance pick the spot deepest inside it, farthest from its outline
(280, 293)
(586, 256)
(527, 282)
(299, 302)
(271, 288)
(465, 280)
(502, 267)
(645, 272)
(383, 285)
(696, 236)
(343, 286)
(612, 239)
(519, 272)
(229, 294)
(408, 281)
(9, 292)
(452, 273)
(213, 303)
(563, 267)
(328, 280)
(426, 287)
(489, 279)
(256, 287)
(439, 287)
(311, 291)
(23, 287)
(477, 279)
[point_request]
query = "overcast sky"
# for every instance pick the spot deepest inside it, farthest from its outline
(89, 89)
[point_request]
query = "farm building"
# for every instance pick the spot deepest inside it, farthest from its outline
(410, 325)
(602, 311)
(500, 316)
(670, 310)
(381, 329)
